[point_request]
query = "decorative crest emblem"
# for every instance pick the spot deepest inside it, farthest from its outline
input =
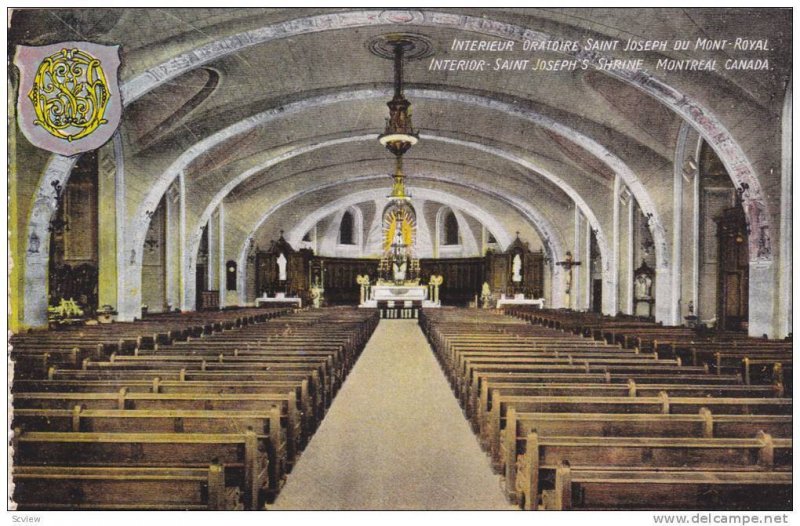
(68, 100)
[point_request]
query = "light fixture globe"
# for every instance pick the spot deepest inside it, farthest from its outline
(398, 143)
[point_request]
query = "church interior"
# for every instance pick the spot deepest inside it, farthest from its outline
(436, 259)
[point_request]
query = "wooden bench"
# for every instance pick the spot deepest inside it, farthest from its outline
(543, 453)
(308, 403)
(123, 488)
(124, 400)
(476, 387)
(703, 424)
(631, 389)
(267, 426)
(674, 489)
(244, 463)
(465, 382)
(662, 404)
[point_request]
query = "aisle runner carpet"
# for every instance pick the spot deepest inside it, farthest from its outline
(394, 438)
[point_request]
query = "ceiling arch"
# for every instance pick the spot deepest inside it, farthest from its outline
(551, 241)
(702, 119)
(195, 237)
(295, 235)
(162, 182)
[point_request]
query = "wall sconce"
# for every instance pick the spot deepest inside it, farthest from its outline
(58, 187)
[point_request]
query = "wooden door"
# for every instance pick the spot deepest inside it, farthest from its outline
(733, 270)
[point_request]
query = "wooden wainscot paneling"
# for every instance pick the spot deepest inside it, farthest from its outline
(463, 278)
(339, 278)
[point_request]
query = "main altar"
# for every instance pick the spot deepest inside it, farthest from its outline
(397, 292)
(399, 301)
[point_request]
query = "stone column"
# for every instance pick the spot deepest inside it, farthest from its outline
(626, 263)
(212, 269)
(577, 292)
(222, 270)
(783, 325)
(611, 303)
(173, 248)
(187, 286)
(106, 227)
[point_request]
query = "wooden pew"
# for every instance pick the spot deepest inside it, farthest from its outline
(631, 389)
(674, 489)
(193, 379)
(662, 404)
(267, 426)
(703, 424)
(476, 387)
(239, 454)
(123, 488)
(308, 402)
(316, 387)
(543, 453)
(499, 371)
(124, 400)
(465, 382)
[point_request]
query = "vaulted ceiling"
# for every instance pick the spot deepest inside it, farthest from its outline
(520, 145)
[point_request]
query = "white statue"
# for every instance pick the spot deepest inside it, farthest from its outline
(642, 287)
(398, 234)
(399, 271)
(435, 283)
(364, 282)
(516, 268)
(316, 296)
(486, 294)
(281, 267)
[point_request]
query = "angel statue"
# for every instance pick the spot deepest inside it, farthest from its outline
(364, 282)
(435, 282)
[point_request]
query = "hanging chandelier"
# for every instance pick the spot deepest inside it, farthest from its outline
(399, 135)
(399, 263)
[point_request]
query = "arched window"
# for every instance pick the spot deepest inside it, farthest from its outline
(346, 236)
(450, 229)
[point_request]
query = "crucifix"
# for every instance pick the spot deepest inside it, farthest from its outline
(567, 264)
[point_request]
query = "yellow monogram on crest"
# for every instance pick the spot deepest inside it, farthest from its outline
(70, 94)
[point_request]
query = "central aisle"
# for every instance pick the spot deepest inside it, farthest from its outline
(394, 438)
